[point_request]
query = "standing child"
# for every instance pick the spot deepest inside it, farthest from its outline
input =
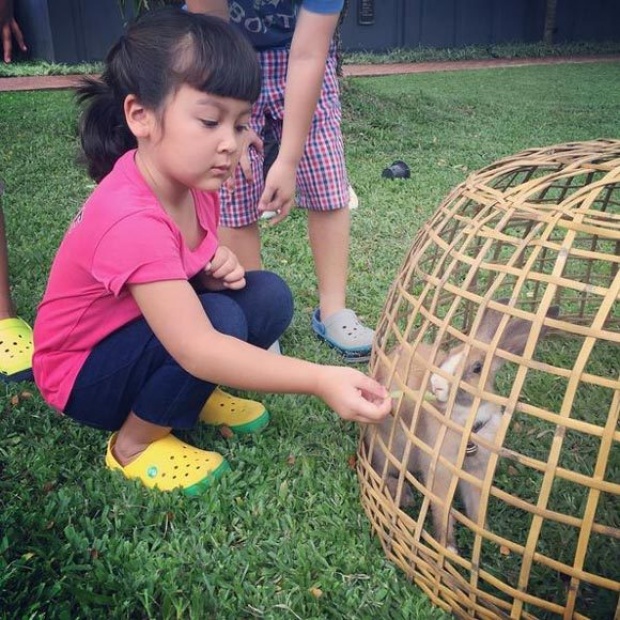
(9, 30)
(15, 333)
(300, 100)
(145, 313)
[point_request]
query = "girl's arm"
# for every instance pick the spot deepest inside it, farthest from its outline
(177, 318)
(304, 79)
(212, 7)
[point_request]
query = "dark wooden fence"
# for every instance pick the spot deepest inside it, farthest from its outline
(378, 25)
(72, 31)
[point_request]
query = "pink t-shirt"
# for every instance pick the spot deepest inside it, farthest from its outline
(121, 236)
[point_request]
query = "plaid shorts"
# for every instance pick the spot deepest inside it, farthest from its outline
(322, 183)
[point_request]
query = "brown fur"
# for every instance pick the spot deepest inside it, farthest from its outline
(428, 426)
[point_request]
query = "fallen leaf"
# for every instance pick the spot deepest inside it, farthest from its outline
(504, 550)
(352, 461)
(316, 592)
(226, 432)
(291, 459)
(15, 400)
(26, 395)
(543, 433)
(513, 471)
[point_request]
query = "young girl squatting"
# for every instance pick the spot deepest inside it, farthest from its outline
(145, 314)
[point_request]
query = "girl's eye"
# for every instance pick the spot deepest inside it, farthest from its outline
(242, 128)
(477, 368)
(208, 123)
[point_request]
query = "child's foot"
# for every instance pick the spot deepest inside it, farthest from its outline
(15, 350)
(169, 463)
(239, 414)
(344, 332)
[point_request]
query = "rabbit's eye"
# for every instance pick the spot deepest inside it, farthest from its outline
(477, 368)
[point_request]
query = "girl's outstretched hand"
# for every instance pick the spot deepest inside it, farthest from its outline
(353, 395)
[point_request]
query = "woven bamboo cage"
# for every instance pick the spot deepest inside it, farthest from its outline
(529, 233)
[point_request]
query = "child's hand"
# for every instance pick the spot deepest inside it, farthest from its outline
(279, 190)
(224, 271)
(252, 140)
(353, 395)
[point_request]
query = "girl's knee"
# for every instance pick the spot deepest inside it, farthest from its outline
(225, 315)
(272, 294)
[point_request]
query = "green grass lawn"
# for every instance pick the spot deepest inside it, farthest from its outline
(284, 535)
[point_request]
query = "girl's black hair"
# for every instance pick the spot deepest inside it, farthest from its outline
(164, 49)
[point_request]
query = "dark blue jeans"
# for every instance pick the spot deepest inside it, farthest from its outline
(131, 371)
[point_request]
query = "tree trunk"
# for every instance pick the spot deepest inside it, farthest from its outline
(550, 14)
(338, 38)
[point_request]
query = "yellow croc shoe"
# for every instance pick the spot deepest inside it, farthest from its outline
(169, 463)
(15, 350)
(239, 414)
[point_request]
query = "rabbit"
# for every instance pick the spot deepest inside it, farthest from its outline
(487, 417)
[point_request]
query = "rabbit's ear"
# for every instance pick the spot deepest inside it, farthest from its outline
(488, 325)
(517, 332)
(515, 336)
(553, 312)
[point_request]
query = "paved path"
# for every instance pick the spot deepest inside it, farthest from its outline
(69, 81)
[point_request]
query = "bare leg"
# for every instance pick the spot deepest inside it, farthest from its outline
(134, 437)
(6, 304)
(329, 233)
(245, 243)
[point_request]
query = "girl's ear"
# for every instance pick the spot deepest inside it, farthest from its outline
(139, 119)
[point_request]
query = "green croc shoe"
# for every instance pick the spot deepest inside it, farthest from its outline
(239, 414)
(169, 463)
(15, 350)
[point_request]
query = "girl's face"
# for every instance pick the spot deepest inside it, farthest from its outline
(199, 139)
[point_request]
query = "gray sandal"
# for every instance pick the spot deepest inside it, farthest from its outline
(344, 332)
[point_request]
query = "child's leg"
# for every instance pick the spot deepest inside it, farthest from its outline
(245, 243)
(130, 382)
(6, 303)
(323, 189)
(15, 333)
(267, 304)
(135, 436)
(131, 371)
(329, 239)
(239, 217)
